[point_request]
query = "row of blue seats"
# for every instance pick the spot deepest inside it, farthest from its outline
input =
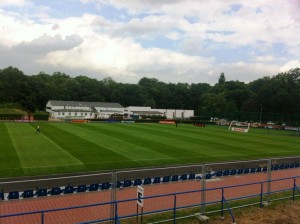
(94, 187)
(156, 180)
(286, 166)
(146, 181)
(239, 171)
(55, 191)
(254, 169)
(173, 178)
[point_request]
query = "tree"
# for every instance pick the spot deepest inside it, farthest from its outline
(214, 104)
(222, 78)
(14, 87)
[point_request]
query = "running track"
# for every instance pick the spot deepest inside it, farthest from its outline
(129, 208)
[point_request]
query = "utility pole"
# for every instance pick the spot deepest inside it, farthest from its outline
(260, 113)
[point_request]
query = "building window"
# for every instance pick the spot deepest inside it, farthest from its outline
(75, 114)
(58, 113)
(69, 114)
(81, 114)
(63, 114)
(85, 114)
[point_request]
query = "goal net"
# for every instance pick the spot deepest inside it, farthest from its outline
(239, 127)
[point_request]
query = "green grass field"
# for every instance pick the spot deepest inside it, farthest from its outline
(71, 148)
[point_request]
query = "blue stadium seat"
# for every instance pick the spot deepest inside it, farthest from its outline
(27, 194)
(137, 182)
(127, 183)
(147, 181)
(199, 177)
(247, 170)
(174, 178)
(68, 190)
(166, 179)
(208, 176)
(297, 164)
(192, 176)
(13, 195)
(219, 173)
(258, 169)
(265, 168)
(183, 177)
(226, 173)
(286, 166)
(106, 185)
(156, 180)
(281, 167)
(93, 187)
(240, 171)
(55, 191)
(252, 170)
(81, 188)
(41, 192)
(233, 172)
(292, 165)
(276, 167)
(1, 196)
(120, 184)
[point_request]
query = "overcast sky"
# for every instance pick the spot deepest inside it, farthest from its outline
(190, 41)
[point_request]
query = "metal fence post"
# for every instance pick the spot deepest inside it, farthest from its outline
(203, 190)
(222, 204)
(42, 217)
(116, 213)
(294, 189)
(113, 195)
(261, 195)
(174, 220)
(269, 179)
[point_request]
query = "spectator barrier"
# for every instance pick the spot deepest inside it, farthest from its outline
(169, 189)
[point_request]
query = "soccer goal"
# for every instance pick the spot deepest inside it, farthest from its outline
(239, 126)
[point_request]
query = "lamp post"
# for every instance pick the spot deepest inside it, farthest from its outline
(260, 113)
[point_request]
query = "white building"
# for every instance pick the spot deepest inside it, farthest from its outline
(89, 110)
(82, 110)
(168, 113)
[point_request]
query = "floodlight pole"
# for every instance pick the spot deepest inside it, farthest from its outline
(260, 113)
(182, 113)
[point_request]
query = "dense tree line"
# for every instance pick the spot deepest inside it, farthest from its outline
(278, 94)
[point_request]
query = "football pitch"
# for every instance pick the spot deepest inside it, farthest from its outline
(71, 148)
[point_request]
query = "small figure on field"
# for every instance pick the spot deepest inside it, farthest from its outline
(38, 129)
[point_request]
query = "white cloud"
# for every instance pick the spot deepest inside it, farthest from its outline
(12, 3)
(267, 58)
(120, 57)
(174, 35)
(247, 72)
(290, 65)
(130, 49)
(45, 44)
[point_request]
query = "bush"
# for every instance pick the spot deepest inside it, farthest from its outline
(11, 116)
(11, 113)
(40, 115)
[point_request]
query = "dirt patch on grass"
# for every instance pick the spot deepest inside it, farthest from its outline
(286, 212)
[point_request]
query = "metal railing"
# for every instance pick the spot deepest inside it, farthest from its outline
(175, 206)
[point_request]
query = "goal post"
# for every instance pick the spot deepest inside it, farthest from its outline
(239, 127)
